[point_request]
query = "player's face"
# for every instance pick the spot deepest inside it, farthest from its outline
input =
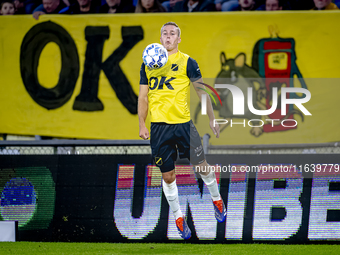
(272, 5)
(170, 38)
(7, 9)
(320, 4)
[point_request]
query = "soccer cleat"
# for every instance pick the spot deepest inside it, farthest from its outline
(220, 211)
(183, 228)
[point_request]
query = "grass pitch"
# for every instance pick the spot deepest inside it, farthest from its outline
(159, 248)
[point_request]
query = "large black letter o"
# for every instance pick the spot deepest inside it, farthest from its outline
(34, 42)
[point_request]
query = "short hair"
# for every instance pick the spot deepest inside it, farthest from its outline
(172, 24)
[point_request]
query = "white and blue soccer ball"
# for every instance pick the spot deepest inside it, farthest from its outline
(155, 56)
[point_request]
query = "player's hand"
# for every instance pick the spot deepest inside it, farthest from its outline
(215, 129)
(144, 133)
(256, 131)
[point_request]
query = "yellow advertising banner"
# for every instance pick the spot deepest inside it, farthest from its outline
(78, 76)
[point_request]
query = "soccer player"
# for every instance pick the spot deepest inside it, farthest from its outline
(164, 91)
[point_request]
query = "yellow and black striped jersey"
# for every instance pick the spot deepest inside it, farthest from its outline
(169, 88)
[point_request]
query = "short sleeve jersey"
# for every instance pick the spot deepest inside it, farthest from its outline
(169, 87)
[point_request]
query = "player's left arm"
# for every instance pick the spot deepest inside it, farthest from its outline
(195, 76)
(198, 85)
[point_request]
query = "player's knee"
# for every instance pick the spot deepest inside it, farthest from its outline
(202, 168)
(169, 177)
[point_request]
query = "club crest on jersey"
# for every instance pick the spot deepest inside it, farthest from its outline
(174, 67)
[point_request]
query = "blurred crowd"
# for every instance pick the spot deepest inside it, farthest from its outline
(39, 7)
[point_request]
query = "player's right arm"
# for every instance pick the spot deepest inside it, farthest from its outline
(143, 111)
(143, 104)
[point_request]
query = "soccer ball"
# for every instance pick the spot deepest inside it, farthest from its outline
(155, 56)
